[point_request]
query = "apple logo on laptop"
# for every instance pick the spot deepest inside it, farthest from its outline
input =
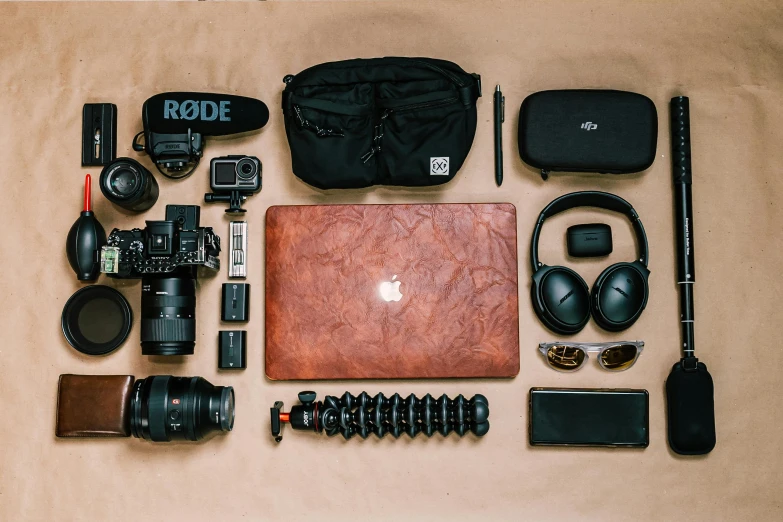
(390, 290)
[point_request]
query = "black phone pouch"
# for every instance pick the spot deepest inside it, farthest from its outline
(382, 121)
(585, 130)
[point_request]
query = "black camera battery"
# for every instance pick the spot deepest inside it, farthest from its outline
(232, 350)
(235, 303)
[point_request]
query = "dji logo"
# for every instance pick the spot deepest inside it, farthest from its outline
(589, 125)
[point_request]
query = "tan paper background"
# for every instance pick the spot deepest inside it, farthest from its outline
(725, 55)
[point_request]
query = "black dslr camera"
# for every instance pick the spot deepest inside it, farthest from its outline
(163, 247)
(233, 179)
(166, 256)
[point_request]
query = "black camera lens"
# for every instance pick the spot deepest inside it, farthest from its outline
(246, 168)
(126, 183)
(166, 408)
(168, 315)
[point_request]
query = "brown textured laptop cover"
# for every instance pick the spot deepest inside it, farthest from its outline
(457, 268)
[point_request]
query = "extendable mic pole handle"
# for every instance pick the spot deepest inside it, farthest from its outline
(681, 170)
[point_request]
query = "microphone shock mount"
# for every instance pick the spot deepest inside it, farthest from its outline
(363, 415)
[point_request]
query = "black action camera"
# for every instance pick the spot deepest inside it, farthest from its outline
(233, 179)
(165, 255)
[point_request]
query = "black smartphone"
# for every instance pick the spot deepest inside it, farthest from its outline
(589, 417)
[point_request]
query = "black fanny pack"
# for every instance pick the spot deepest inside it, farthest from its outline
(383, 121)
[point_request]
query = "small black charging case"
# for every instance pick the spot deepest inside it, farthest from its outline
(590, 240)
(613, 132)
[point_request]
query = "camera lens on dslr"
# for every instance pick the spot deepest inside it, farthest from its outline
(168, 315)
(166, 408)
(126, 183)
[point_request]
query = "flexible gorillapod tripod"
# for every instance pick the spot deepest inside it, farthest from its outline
(362, 415)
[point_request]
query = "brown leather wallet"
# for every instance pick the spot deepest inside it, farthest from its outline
(93, 405)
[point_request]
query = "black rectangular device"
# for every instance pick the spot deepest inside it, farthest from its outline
(99, 134)
(589, 417)
(188, 217)
(235, 305)
(589, 240)
(585, 130)
(241, 173)
(232, 350)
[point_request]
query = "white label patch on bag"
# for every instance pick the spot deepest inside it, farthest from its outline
(439, 166)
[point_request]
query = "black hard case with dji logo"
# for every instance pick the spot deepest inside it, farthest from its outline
(613, 132)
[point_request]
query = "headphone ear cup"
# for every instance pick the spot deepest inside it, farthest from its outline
(561, 299)
(619, 295)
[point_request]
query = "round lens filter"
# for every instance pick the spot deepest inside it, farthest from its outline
(96, 320)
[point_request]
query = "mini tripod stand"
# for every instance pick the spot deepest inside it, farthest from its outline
(235, 198)
(362, 415)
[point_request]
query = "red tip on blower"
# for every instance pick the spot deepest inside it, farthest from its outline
(87, 194)
(85, 240)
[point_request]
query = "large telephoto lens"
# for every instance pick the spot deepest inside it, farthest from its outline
(126, 183)
(168, 315)
(166, 408)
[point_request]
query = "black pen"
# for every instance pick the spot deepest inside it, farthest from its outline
(500, 117)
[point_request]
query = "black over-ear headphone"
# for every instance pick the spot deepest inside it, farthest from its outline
(561, 299)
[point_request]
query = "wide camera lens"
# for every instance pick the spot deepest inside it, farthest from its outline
(246, 168)
(166, 408)
(126, 183)
(168, 315)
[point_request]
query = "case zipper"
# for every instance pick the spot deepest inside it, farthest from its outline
(448, 74)
(378, 131)
(319, 131)
(424, 105)
(289, 78)
(376, 138)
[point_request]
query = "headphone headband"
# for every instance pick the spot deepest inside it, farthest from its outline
(590, 198)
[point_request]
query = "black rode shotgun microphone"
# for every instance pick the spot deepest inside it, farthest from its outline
(689, 389)
(175, 124)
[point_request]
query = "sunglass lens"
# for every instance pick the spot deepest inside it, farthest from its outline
(565, 358)
(619, 357)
